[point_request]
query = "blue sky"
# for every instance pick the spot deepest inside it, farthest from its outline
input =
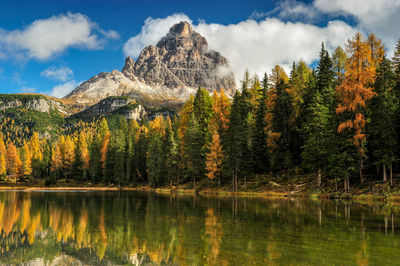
(51, 46)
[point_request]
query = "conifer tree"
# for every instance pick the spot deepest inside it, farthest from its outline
(355, 92)
(260, 151)
(282, 128)
(215, 158)
(14, 164)
(155, 160)
(235, 139)
(339, 58)
(383, 135)
(26, 159)
(193, 151)
(171, 154)
(316, 146)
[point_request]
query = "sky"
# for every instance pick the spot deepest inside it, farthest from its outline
(51, 47)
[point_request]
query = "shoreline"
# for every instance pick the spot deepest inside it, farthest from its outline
(361, 198)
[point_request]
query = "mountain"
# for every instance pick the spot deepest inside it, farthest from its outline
(120, 105)
(21, 114)
(164, 74)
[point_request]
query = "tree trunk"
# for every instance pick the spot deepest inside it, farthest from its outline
(336, 184)
(391, 174)
(233, 180)
(384, 173)
(345, 184)
(360, 166)
(194, 183)
(348, 184)
(236, 181)
(319, 178)
(245, 181)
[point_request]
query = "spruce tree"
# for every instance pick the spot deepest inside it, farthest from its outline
(316, 146)
(383, 137)
(260, 151)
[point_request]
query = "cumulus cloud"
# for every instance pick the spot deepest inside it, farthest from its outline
(58, 74)
(256, 45)
(63, 89)
(151, 32)
(45, 38)
(378, 16)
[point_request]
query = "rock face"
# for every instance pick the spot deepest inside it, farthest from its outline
(36, 102)
(122, 105)
(165, 74)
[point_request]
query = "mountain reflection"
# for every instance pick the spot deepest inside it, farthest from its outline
(142, 228)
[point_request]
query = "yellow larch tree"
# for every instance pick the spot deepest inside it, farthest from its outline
(14, 164)
(355, 92)
(214, 158)
(221, 109)
(26, 158)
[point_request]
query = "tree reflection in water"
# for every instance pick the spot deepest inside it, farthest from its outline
(135, 227)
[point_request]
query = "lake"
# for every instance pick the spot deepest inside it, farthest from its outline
(105, 228)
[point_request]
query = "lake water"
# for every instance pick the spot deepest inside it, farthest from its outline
(105, 228)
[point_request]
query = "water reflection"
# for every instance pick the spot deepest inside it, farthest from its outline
(138, 228)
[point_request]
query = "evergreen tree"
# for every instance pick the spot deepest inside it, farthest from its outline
(316, 146)
(193, 156)
(234, 140)
(383, 137)
(171, 154)
(282, 128)
(260, 151)
(155, 160)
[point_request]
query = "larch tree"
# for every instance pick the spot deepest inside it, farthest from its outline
(215, 158)
(26, 159)
(14, 164)
(355, 92)
(339, 58)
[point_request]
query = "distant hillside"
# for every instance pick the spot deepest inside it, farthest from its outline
(21, 114)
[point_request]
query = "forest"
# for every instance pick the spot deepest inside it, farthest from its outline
(338, 121)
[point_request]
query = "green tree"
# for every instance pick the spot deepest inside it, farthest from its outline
(316, 146)
(383, 107)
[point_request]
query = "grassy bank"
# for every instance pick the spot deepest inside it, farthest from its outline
(262, 186)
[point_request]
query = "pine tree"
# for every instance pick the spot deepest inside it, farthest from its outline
(382, 129)
(355, 92)
(215, 158)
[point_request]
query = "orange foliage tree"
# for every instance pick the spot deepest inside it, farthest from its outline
(214, 158)
(355, 92)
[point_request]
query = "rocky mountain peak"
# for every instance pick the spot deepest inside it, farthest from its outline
(129, 67)
(181, 29)
(165, 73)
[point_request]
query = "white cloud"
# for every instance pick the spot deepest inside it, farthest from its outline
(45, 38)
(59, 74)
(257, 46)
(152, 31)
(378, 16)
(62, 90)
